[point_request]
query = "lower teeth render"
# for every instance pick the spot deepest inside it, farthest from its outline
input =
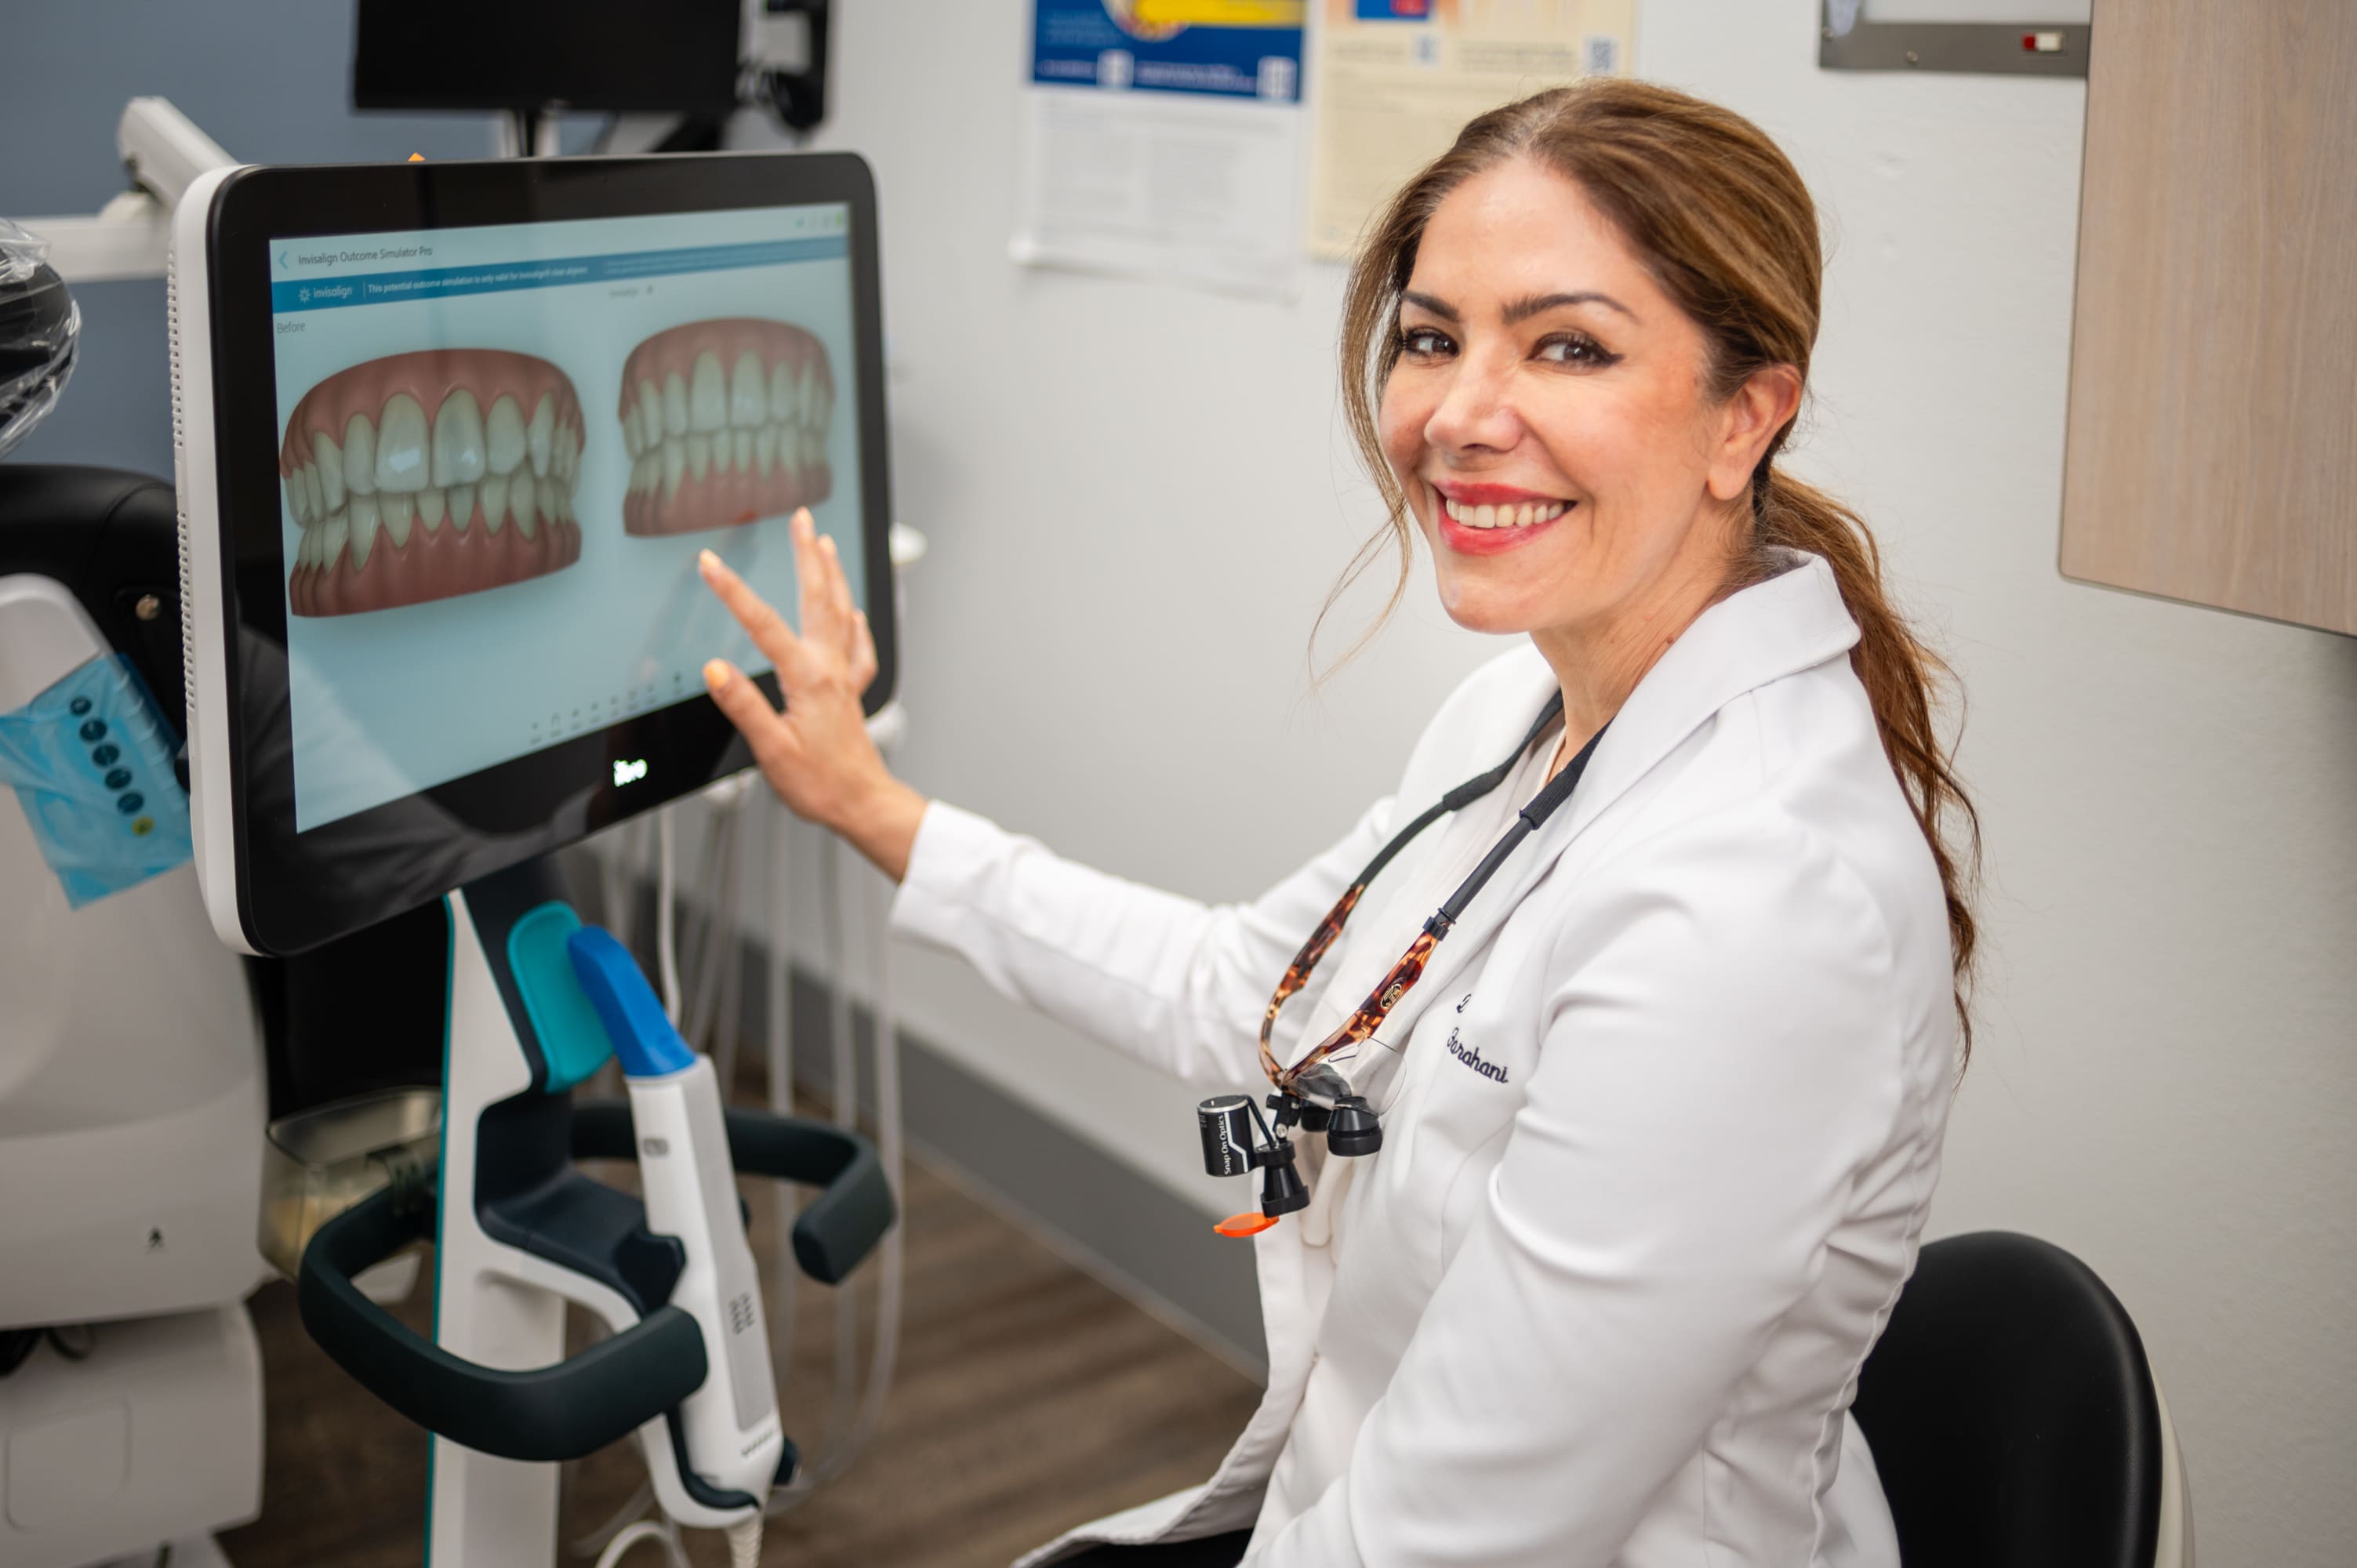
(527, 503)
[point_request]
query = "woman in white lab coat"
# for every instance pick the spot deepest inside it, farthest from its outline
(1663, 1114)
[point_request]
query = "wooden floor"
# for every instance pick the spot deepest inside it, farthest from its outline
(1029, 1398)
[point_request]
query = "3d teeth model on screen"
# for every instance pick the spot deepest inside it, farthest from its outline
(423, 476)
(727, 423)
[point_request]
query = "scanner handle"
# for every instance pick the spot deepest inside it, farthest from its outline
(563, 1412)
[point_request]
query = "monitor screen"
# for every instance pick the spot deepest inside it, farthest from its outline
(451, 438)
(501, 449)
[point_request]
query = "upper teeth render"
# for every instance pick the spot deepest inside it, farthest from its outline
(723, 420)
(401, 469)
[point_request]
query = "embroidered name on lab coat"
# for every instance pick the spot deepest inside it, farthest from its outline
(1494, 1071)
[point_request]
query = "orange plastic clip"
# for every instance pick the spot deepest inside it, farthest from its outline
(1249, 1223)
(417, 157)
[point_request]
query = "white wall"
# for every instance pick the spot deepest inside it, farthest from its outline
(1137, 496)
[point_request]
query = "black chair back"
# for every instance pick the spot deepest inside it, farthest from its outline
(2012, 1414)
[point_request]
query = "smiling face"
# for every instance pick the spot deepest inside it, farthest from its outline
(1551, 420)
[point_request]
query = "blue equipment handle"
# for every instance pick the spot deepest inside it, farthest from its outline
(644, 1039)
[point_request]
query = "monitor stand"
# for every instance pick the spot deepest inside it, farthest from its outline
(520, 1231)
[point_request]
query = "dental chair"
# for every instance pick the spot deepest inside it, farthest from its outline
(2015, 1419)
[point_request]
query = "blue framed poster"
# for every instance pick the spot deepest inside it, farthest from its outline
(1231, 49)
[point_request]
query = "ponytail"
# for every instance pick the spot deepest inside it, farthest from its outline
(1902, 678)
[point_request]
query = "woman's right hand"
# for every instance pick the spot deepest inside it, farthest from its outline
(816, 753)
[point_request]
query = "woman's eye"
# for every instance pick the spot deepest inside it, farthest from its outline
(1422, 342)
(1575, 349)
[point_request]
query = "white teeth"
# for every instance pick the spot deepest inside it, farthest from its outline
(401, 443)
(707, 395)
(745, 445)
(331, 470)
(494, 493)
(819, 415)
(297, 504)
(505, 440)
(630, 442)
(363, 526)
(458, 440)
(650, 417)
(554, 501)
(359, 456)
(538, 433)
(675, 405)
(675, 467)
(782, 406)
(1523, 516)
(462, 505)
(724, 452)
(332, 537)
(765, 448)
(431, 504)
(748, 393)
(527, 506)
(699, 456)
(806, 396)
(570, 451)
(311, 492)
(638, 467)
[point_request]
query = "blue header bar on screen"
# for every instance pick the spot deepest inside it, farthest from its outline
(441, 283)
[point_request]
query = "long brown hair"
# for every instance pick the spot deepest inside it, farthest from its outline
(1722, 221)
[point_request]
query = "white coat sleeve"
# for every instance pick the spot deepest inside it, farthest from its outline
(1719, 1061)
(1178, 984)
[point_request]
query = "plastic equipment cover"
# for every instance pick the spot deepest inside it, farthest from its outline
(40, 326)
(90, 761)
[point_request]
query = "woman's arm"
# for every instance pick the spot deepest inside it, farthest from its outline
(1177, 984)
(1721, 1061)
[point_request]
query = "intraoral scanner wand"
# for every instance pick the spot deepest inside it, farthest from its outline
(730, 1423)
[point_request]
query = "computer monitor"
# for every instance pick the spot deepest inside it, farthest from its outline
(450, 438)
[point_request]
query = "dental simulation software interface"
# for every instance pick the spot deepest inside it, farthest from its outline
(501, 449)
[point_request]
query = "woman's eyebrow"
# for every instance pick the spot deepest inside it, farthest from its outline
(1440, 307)
(1533, 304)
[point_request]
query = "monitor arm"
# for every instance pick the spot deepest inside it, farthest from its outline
(164, 152)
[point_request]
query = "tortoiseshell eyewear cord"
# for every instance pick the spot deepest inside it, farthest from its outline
(1361, 1024)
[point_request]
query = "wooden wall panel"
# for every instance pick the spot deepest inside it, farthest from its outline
(2213, 446)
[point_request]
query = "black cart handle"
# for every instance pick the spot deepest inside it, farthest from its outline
(842, 1223)
(562, 1412)
(584, 1402)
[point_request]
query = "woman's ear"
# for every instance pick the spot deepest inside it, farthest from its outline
(1748, 421)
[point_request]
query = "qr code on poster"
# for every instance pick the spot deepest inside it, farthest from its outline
(1599, 54)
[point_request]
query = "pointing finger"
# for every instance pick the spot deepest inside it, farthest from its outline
(747, 708)
(864, 663)
(762, 623)
(810, 572)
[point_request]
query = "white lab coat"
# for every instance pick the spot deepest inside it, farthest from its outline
(1606, 1303)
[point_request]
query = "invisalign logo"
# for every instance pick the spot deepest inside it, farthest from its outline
(629, 772)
